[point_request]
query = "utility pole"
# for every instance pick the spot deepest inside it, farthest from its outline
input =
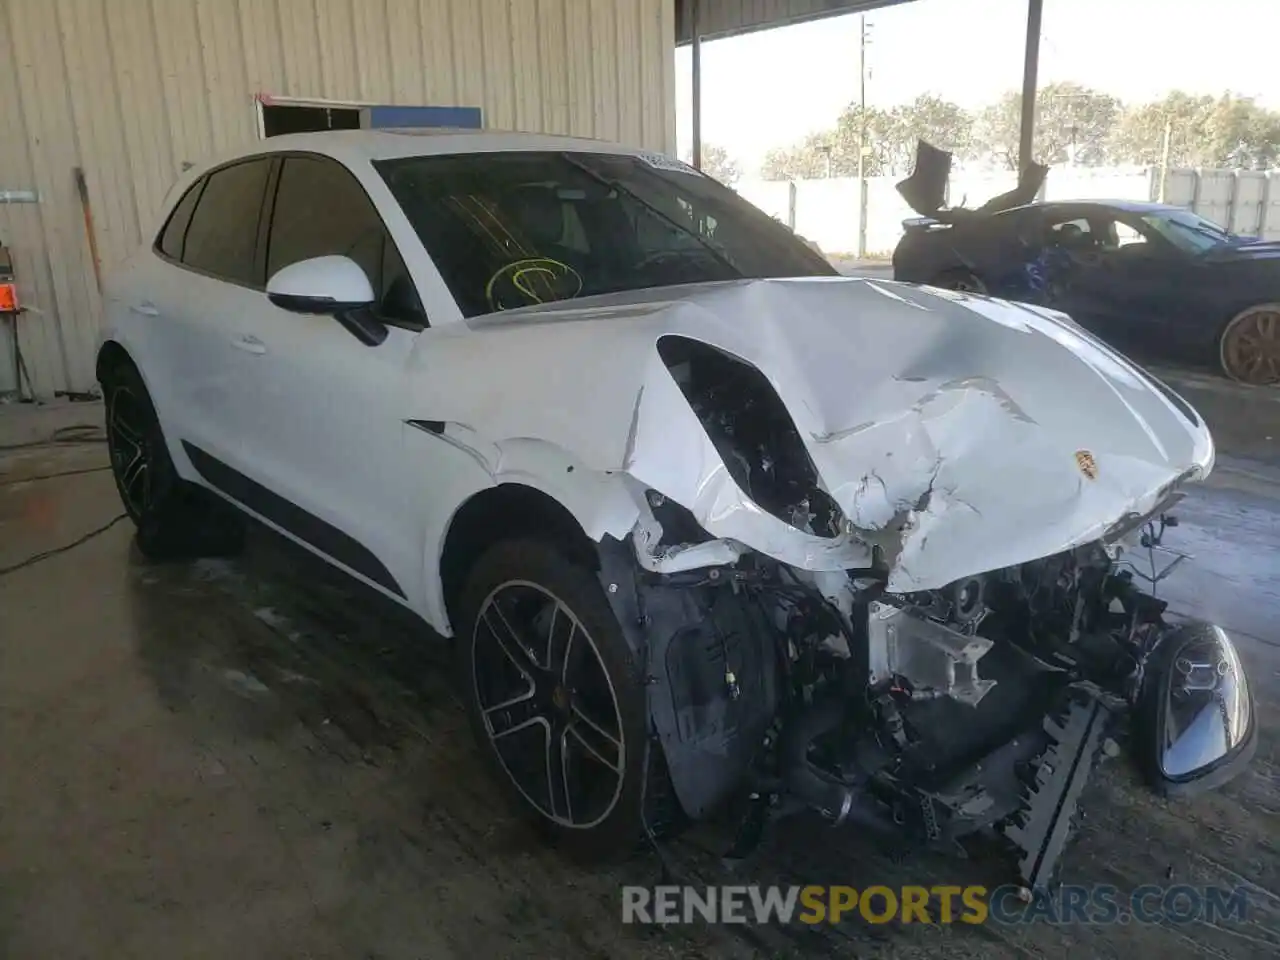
(695, 39)
(862, 135)
(1164, 157)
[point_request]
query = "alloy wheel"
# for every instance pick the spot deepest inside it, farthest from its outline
(1251, 346)
(129, 450)
(548, 705)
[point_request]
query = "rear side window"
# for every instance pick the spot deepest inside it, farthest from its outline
(222, 237)
(174, 235)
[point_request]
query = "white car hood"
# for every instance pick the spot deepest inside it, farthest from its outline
(960, 434)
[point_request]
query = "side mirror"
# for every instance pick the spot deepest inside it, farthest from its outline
(1195, 717)
(331, 286)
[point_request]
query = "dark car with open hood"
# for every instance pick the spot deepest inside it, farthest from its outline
(1155, 280)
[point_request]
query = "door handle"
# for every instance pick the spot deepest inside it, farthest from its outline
(250, 344)
(146, 308)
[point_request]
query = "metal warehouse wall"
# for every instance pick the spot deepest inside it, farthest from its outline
(129, 90)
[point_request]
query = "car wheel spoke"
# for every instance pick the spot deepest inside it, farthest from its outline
(509, 640)
(123, 428)
(583, 723)
(558, 789)
(512, 715)
(134, 474)
(564, 627)
(536, 720)
(576, 730)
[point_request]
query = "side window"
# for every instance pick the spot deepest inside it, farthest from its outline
(321, 210)
(1126, 236)
(1072, 234)
(174, 235)
(222, 237)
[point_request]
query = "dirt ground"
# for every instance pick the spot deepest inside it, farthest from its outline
(252, 759)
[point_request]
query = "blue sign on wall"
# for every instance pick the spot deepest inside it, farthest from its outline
(374, 118)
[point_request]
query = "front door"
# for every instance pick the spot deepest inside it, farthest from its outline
(325, 412)
(1122, 282)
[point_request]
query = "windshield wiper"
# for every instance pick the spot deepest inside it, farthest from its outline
(621, 188)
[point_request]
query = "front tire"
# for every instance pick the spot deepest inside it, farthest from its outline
(174, 519)
(1249, 348)
(557, 701)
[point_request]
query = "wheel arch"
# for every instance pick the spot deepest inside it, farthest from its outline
(111, 354)
(505, 511)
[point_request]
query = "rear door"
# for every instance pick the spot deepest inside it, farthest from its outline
(322, 413)
(195, 305)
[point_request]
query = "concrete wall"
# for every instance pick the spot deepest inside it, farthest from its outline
(826, 211)
(130, 90)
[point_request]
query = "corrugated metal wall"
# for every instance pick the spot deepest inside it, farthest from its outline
(129, 90)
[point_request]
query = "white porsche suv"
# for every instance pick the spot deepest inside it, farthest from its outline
(705, 518)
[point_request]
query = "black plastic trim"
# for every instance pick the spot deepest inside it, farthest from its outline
(428, 426)
(306, 526)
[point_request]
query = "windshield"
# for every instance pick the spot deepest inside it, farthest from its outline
(513, 229)
(1186, 231)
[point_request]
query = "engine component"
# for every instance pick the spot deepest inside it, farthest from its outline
(930, 655)
(1042, 827)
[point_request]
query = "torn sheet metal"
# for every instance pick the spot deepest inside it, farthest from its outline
(950, 429)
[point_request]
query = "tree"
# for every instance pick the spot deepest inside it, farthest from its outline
(1073, 125)
(833, 152)
(891, 137)
(942, 123)
(717, 163)
(1204, 132)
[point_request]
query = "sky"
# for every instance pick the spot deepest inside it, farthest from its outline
(770, 88)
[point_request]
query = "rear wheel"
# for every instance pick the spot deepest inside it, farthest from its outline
(963, 281)
(557, 700)
(1249, 349)
(174, 518)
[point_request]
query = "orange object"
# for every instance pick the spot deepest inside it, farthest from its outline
(8, 298)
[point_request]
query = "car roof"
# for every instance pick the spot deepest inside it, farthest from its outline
(389, 144)
(1128, 206)
(356, 147)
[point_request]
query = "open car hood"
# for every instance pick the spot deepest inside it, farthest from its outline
(957, 434)
(926, 189)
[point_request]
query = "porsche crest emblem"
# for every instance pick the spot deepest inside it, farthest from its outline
(1087, 464)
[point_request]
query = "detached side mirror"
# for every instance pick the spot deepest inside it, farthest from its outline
(1195, 719)
(329, 286)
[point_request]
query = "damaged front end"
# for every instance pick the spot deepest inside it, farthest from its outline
(820, 668)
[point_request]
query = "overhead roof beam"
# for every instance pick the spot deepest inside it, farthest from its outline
(727, 18)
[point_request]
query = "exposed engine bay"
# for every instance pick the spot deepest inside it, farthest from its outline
(980, 707)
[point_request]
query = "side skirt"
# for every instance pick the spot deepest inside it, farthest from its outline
(323, 537)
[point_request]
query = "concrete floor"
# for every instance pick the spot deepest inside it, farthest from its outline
(252, 759)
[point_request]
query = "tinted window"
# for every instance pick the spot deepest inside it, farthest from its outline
(222, 238)
(174, 234)
(510, 229)
(321, 210)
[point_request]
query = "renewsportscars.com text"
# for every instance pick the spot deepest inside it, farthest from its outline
(1096, 904)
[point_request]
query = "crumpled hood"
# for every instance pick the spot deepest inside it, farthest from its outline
(958, 433)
